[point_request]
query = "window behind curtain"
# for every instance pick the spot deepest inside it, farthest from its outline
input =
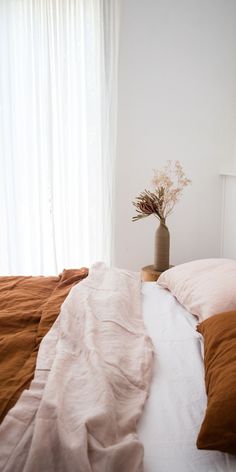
(58, 69)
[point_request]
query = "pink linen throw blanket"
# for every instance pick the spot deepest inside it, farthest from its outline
(91, 381)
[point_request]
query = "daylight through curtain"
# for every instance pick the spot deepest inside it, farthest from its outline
(58, 73)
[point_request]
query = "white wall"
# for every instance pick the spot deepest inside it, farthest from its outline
(176, 100)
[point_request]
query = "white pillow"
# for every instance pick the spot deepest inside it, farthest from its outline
(204, 287)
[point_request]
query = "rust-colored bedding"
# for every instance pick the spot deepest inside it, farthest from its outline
(28, 308)
(218, 430)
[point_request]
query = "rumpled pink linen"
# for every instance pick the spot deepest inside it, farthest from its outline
(92, 379)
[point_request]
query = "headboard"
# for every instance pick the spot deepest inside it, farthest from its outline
(228, 216)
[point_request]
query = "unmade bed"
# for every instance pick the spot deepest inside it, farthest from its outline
(143, 401)
(176, 406)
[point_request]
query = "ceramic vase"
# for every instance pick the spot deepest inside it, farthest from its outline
(162, 247)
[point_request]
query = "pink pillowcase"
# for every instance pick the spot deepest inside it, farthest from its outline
(204, 287)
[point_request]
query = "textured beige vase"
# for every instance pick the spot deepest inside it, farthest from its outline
(162, 247)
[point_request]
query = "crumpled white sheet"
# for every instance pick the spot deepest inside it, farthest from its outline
(177, 401)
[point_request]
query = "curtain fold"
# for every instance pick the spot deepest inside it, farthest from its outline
(58, 82)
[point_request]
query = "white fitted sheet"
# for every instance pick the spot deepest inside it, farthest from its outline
(177, 400)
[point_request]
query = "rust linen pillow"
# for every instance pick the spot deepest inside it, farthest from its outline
(218, 430)
(204, 287)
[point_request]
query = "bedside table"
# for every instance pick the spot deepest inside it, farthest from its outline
(149, 274)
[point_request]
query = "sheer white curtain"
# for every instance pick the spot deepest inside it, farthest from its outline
(58, 73)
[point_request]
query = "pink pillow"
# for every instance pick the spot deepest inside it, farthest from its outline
(204, 287)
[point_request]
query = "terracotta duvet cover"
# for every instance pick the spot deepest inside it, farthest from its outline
(28, 308)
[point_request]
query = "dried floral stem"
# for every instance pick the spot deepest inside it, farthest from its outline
(168, 187)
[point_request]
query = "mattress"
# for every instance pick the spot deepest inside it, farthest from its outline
(175, 408)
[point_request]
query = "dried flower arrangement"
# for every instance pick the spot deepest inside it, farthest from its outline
(168, 187)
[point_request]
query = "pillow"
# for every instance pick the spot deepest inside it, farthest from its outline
(204, 287)
(218, 430)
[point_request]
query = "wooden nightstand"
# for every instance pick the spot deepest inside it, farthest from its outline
(149, 274)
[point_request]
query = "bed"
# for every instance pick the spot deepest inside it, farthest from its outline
(177, 402)
(150, 420)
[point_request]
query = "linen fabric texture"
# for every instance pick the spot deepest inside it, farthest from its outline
(218, 430)
(204, 287)
(28, 308)
(91, 382)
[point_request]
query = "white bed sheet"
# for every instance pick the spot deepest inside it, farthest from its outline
(177, 400)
